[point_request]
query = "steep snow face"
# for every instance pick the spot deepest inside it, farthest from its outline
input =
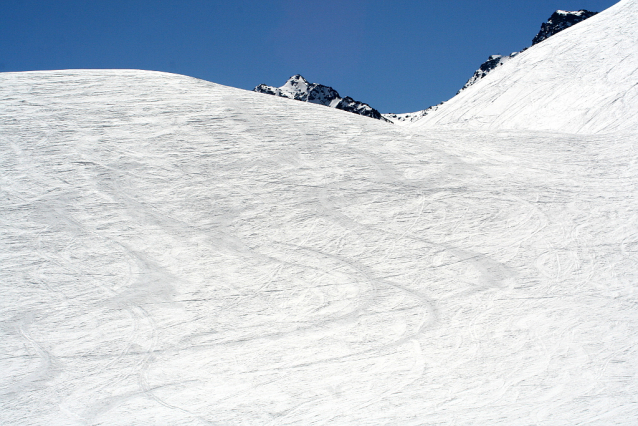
(299, 89)
(560, 20)
(582, 79)
(175, 252)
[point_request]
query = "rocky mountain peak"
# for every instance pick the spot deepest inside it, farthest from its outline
(300, 89)
(560, 20)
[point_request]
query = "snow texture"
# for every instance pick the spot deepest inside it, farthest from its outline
(581, 80)
(176, 252)
(299, 89)
(559, 21)
(556, 23)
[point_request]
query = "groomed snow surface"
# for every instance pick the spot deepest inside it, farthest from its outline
(175, 252)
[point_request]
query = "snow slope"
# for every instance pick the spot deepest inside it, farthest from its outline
(175, 252)
(557, 22)
(581, 80)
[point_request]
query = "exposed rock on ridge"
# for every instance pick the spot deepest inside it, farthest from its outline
(560, 20)
(486, 67)
(300, 89)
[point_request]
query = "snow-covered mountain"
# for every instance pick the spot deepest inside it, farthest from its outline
(176, 252)
(300, 89)
(559, 21)
(582, 79)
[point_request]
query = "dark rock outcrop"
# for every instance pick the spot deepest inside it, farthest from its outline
(560, 20)
(300, 89)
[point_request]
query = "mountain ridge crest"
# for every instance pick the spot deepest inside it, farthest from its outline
(298, 88)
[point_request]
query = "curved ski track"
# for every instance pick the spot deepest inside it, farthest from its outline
(177, 252)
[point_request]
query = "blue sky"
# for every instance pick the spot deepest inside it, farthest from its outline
(398, 56)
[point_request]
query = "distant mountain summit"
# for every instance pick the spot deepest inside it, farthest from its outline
(560, 20)
(300, 89)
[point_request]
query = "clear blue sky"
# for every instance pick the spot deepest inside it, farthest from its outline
(398, 56)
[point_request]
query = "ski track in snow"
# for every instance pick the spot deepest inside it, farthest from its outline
(178, 252)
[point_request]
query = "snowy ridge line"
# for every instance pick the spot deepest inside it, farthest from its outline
(557, 22)
(580, 80)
